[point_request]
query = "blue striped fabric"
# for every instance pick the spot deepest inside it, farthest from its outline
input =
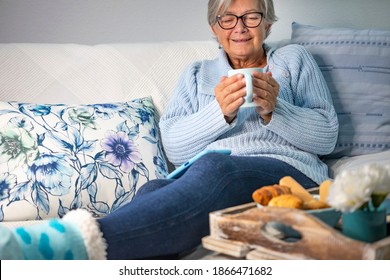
(356, 67)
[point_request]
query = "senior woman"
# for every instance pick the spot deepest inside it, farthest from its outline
(292, 124)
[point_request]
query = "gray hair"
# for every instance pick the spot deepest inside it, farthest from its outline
(218, 7)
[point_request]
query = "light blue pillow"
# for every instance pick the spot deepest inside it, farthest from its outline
(356, 67)
(54, 158)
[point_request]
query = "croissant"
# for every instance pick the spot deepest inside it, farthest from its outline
(264, 194)
(287, 200)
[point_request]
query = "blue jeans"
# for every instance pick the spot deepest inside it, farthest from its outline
(167, 217)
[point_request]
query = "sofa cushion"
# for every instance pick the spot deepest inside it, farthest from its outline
(336, 166)
(356, 67)
(54, 158)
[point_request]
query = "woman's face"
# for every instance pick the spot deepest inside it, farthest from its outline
(241, 42)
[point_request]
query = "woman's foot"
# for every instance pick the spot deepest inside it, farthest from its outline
(76, 236)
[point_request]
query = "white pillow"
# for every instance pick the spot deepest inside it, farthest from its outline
(347, 163)
(54, 158)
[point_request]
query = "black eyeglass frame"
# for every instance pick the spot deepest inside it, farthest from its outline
(242, 19)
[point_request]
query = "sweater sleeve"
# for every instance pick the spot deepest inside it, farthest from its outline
(309, 122)
(192, 119)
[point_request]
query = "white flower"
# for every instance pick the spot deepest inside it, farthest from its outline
(382, 175)
(353, 189)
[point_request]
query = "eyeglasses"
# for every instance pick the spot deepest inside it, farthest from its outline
(250, 20)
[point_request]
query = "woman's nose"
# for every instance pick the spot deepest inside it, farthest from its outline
(240, 26)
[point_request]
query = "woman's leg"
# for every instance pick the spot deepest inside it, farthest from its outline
(172, 219)
(152, 186)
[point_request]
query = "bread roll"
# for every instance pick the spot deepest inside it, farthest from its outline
(266, 193)
(286, 200)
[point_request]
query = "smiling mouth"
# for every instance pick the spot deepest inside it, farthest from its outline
(241, 40)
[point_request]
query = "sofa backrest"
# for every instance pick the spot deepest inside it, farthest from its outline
(74, 74)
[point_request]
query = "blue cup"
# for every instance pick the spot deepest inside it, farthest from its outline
(247, 72)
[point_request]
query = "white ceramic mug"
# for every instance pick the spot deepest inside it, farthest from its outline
(247, 72)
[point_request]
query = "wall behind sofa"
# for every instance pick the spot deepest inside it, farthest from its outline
(127, 21)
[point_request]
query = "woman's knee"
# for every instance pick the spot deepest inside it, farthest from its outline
(151, 186)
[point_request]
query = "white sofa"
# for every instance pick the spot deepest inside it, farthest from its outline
(74, 74)
(80, 74)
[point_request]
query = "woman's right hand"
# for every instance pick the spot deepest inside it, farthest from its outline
(230, 94)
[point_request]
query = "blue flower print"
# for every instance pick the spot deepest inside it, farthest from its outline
(55, 158)
(106, 111)
(7, 181)
(121, 151)
(21, 122)
(52, 172)
(39, 110)
(144, 115)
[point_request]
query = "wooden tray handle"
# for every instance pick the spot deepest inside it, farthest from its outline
(313, 238)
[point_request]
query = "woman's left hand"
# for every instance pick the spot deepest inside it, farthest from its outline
(265, 93)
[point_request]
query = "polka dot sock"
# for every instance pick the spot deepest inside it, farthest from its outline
(76, 236)
(51, 240)
(9, 246)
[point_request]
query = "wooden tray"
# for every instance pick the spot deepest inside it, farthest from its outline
(244, 232)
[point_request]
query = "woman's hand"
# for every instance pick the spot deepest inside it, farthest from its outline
(265, 92)
(230, 94)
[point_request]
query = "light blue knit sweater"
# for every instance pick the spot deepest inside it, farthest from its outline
(304, 123)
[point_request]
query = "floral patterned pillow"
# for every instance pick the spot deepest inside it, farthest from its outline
(54, 158)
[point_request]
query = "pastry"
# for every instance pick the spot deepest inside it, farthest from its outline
(324, 190)
(264, 194)
(286, 200)
(314, 204)
(296, 188)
